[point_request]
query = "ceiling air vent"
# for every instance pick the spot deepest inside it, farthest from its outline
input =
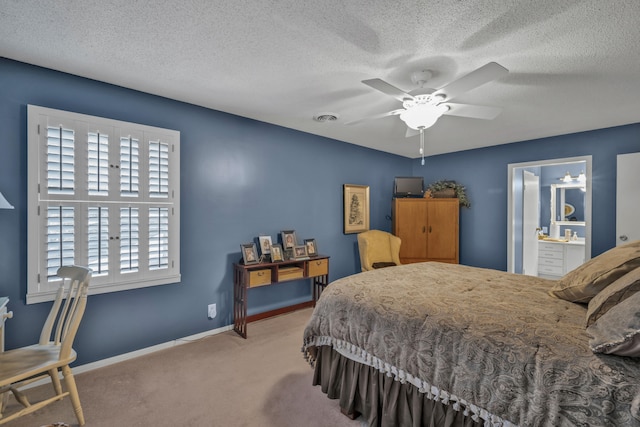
(325, 117)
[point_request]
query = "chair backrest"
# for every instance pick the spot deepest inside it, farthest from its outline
(378, 246)
(68, 308)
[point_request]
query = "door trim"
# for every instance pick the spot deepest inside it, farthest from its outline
(511, 170)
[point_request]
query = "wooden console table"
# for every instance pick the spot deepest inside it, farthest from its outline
(254, 275)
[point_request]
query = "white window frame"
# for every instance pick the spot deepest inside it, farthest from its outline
(40, 288)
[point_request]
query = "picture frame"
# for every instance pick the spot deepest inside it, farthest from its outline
(312, 248)
(356, 208)
(277, 254)
(300, 252)
(288, 254)
(265, 244)
(289, 240)
(249, 253)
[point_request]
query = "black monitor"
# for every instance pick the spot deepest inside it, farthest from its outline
(408, 186)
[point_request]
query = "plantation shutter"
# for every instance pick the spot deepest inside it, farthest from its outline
(104, 194)
(158, 169)
(60, 160)
(129, 239)
(98, 240)
(158, 238)
(98, 160)
(129, 166)
(60, 243)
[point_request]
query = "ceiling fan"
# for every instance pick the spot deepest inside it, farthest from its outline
(423, 106)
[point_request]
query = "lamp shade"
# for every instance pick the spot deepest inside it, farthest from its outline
(4, 204)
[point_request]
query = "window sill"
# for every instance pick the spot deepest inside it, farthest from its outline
(50, 295)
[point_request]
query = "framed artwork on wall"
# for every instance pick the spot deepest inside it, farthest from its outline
(356, 208)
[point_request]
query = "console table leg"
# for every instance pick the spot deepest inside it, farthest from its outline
(239, 304)
(319, 284)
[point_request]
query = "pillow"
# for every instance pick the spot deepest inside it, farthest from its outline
(584, 283)
(618, 330)
(613, 294)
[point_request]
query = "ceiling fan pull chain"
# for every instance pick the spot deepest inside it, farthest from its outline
(422, 145)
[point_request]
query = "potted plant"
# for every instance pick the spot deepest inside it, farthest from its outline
(444, 188)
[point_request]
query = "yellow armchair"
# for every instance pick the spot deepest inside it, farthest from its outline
(378, 249)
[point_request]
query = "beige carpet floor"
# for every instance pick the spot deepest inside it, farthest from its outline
(222, 380)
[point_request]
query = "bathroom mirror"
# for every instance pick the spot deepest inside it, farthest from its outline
(567, 204)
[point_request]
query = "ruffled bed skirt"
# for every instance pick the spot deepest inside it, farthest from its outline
(382, 401)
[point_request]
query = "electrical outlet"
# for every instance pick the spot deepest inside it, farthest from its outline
(211, 311)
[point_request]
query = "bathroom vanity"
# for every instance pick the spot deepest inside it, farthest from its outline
(557, 258)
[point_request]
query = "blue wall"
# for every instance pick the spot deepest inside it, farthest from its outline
(239, 178)
(483, 227)
(242, 178)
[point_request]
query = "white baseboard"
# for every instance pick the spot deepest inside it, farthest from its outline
(143, 351)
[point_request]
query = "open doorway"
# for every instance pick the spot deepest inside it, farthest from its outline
(559, 213)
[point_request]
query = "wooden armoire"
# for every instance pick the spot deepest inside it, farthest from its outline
(428, 229)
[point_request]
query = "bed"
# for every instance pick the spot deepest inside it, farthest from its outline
(434, 344)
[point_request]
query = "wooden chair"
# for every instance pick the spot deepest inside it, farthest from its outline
(378, 249)
(53, 353)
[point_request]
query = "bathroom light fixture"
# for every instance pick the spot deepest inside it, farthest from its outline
(4, 204)
(567, 178)
(582, 178)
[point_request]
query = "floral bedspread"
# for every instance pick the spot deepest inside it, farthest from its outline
(491, 343)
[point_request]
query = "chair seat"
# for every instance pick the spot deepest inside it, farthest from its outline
(21, 363)
(378, 249)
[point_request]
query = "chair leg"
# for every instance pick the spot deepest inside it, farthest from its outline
(55, 380)
(73, 393)
(4, 398)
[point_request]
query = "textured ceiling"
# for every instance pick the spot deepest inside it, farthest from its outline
(574, 65)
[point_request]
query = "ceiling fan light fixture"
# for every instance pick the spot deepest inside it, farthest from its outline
(422, 116)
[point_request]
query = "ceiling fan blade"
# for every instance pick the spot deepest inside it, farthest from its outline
(473, 111)
(482, 75)
(387, 88)
(377, 116)
(411, 132)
